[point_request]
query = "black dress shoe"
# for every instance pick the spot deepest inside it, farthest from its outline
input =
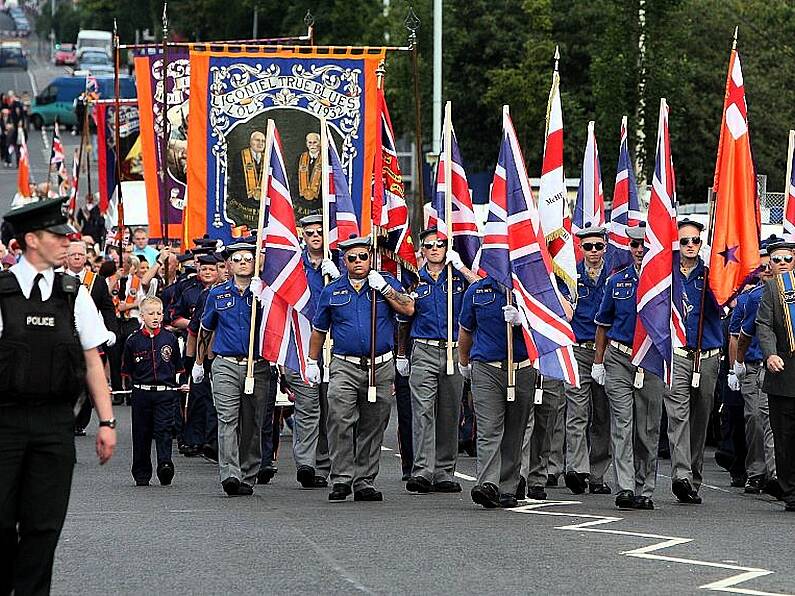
(231, 485)
(265, 474)
(738, 481)
(625, 499)
(576, 482)
(165, 473)
(552, 481)
(141, 483)
(724, 459)
(418, 484)
(537, 493)
(598, 488)
(773, 488)
(245, 490)
(447, 486)
(80, 431)
(508, 501)
(339, 493)
(790, 506)
(210, 453)
(368, 494)
(754, 485)
(684, 493)
(305, 476)
(486, 494)
(521, 490)
(191, 451)
(320, 482)
(644, 503)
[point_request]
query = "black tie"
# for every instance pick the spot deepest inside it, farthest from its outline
(35, 292)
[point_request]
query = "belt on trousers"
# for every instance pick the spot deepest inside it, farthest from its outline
(504, 365)
(364, 361)
(588, 345)
(154, 387)
(690, 353)
(437, 343)
(240, 360)
(621, 347)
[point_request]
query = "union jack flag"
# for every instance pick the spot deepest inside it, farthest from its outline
(626, 207)
(789, 213)
(466, 237)
(287, 302)
(341, 216)
(589, 210)
(390, 214)
(659, 327)
(73, 186)
(515, 255)
(58, 162)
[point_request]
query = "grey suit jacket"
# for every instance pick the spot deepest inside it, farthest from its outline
(771, 329)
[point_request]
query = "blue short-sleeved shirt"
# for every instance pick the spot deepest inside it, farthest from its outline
(748, 324)
(228, 313)
(185, 304)
(314, 276)
(589, 298)
(712, 335)
(754, 351)
(346, 313)
(430, 305)
(481, 315)
(152, 359)
(619, 308)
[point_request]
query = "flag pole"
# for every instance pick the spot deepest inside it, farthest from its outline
(117, 138)
(371, 389)
(49, 164)
(164, 142)
(326, 168)
(510, 390)
(448, 219)
(788, 181)
(266, 162)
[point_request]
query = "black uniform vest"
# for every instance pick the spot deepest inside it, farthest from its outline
(41, 359)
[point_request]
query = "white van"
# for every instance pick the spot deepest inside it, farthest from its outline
(95, 39)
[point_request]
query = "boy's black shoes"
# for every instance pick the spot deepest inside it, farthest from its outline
(165, 473)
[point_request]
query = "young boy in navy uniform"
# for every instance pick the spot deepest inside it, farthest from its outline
(152, 360)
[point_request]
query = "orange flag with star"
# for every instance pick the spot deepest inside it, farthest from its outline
(735, 229)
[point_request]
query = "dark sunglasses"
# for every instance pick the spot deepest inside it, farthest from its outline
(434, 244)
(589, 246)
(685, 241)
(313, 232)
(362, 256)
(635, 243)
(778, 259)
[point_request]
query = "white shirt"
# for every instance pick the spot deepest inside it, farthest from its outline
(90, 327)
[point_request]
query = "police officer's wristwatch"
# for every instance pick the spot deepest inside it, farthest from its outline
(109, 423)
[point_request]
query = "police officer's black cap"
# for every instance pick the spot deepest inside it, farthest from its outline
(589, 230)
(48, 214)
(689, 222)
(210, 259)
(355, 242)
(425, 233)
(637, 232)
(313, 219)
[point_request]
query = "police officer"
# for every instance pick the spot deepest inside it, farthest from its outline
(310, 440)
(483, 358)
(49, 333)
(689, 408)
(355, 425)
(435, 394)
(635, 398)
(228, 314)
(588, 453)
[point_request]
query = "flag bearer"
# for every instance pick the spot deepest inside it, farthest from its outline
(355, 425)
(635, 398)
(435, 395)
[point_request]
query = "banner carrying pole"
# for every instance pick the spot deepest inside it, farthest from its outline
(117, 137)
(371, 388)
(510, 391)
(163, 174)
(448, 217)
(326, 168)
(266, 163)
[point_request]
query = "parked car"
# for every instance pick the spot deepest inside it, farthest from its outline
(12, 56)
(95, 62)
(65, 55)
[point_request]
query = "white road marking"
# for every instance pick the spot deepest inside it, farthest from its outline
(33, 86)
(729, 584)
(465, 477)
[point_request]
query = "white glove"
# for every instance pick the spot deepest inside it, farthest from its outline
(598, 373)
(454, 259)
(403, 366)
(734, 382)
(111, 341)
(511, 315)
(465, 370)
(197, 373)
(312, 371)
(327, 267)
(256, 286)
(377, 281)
(739, 370)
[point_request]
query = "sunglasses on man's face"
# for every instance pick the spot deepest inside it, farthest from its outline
(434, 244)
(685, 241)
(635, 243)
(589, 246)
(311, 233)
(362, 256)
(778, 259)
(241, 258)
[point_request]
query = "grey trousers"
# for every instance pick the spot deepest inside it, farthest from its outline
(634, 423)
(436, 408)
(356, 426)
(760, 458)
(538, 433)
(501, 424)
(310, 441)
(557, 446)
(587, 422)
(688, 412)
(239, 418)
